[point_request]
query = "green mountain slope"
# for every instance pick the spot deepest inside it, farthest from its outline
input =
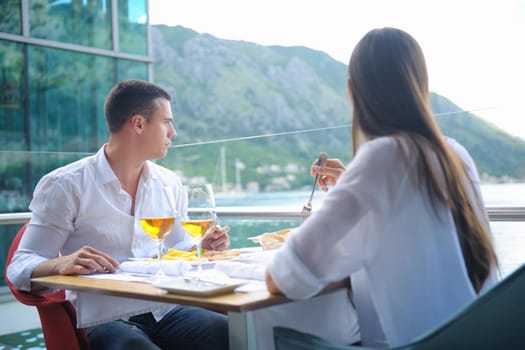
(495, 152)
(226, 89)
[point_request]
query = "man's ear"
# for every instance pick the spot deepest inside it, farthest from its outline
(137, 123)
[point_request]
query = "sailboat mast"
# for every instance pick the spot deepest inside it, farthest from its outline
(223, 169)
(238, 168)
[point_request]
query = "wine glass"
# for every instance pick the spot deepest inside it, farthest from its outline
(157, 218)
(201, 216)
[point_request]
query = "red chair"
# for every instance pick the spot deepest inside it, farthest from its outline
(57, 315)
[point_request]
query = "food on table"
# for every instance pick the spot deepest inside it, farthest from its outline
(271, 240)
(176, 254)
(215, 255)
(207, 255)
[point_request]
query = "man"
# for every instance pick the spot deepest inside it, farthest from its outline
(84, 220)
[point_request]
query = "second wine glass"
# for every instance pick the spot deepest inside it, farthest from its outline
(201, 216)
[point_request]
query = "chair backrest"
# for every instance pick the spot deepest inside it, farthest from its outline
(57, 315)
(492, 321)
(290, 339)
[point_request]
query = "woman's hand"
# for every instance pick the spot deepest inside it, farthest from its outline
(270, 284)
(329, 173)
(218, 239)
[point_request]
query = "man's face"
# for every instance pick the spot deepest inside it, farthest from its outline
(159, 131)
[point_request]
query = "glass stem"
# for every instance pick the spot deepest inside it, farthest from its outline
(199, 266)
(160, 272)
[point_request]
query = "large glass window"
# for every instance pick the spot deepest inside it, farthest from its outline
(67, 92)
(127, 69)
(133, 26)
(82, 22)
(51, 100)
(12, 102)
(13, 136)
(10, 21)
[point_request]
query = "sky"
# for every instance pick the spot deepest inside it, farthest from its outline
(475, 49)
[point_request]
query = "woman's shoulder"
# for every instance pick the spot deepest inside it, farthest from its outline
(464, 155)
(378, 154)
(383, 148)
(392, 144)
(388, 143)
(458, 148)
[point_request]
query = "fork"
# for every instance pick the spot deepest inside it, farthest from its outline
(307, 207)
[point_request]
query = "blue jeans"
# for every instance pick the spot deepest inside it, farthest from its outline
(184, 327)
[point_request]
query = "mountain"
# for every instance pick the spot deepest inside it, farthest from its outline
(283, 105)
(495, 152)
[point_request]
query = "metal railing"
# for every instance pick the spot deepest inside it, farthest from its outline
(285, 213)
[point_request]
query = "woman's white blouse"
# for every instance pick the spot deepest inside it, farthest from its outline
(402, 252)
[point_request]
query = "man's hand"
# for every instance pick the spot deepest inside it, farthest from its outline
(217, 239)
(85, 261)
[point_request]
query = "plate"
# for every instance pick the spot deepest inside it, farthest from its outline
(190, 286)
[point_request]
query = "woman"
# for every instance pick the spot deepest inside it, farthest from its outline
(405, 220)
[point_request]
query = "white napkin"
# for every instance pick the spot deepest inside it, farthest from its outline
(256, 258)
(237, 269)
(170, 267)
(249, 266)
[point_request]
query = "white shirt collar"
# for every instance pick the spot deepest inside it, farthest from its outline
(104, 173)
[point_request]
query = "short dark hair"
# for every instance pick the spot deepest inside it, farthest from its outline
(130, 97)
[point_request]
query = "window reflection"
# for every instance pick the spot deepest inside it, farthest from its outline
(14, 183)
(67, 90)
(86, 22)
(12, 96)
(132, 26)
(10, 17)
(128, 69)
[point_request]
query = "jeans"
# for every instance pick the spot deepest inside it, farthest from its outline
(184, 327)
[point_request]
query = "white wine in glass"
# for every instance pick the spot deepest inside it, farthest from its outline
(201, 216)
(157, 218)
(157, 228)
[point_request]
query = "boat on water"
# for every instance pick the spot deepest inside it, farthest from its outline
(226, 190)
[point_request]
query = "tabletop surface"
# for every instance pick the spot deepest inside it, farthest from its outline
(235, 301)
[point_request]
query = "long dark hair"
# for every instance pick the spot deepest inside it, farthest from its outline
(388, 83)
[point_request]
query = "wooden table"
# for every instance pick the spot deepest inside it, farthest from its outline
(240, 307)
